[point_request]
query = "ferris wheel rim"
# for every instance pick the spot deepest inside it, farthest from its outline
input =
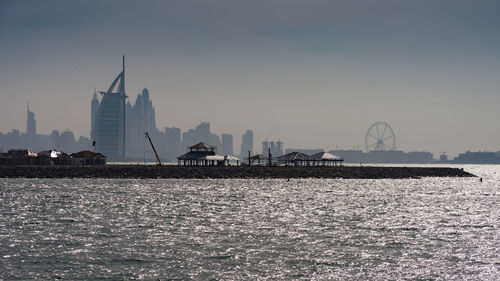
(380, 137)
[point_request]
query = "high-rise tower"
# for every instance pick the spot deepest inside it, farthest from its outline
(30, 123)
(279, 148)
(140, 119)
(94, 105)
(109, 123)
(246, 144)
(227, 144)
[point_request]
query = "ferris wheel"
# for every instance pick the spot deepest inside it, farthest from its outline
(380, 137)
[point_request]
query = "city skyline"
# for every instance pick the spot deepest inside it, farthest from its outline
(170, 143)
(316, 75)
(200, 132)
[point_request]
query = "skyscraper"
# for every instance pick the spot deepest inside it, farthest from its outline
(94, 105)
(30, 123)
(265, 147)
(200, 134)
(227, 144)
(246, 144)
(109, 123)
(279, 149)
(141, 118)
(173, 142)
(275, 148)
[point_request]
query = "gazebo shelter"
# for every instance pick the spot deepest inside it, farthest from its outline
(201, 154)
(228, 158)
(258, 158)
(324, 159)
(292, 158)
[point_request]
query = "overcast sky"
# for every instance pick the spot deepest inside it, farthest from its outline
(314, 73)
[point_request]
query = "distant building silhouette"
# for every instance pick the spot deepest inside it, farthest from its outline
(66, 141)
(200, 134)
(141, 118)
(480, 157)
(265, 147)
(279, 148)
(276, 148)
(173, 142)
(443, 157)
(246, 144)
(227, 144)
(109, 123)
(94, 105)
(351, 156)
(419, 157)
(54, 140)
(391, 156)
(35, 142)
(30, 123)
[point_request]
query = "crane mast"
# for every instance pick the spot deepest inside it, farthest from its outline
(158, 162)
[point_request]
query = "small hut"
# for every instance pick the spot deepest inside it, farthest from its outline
(87, 157)
(201, 154)
(18, 157)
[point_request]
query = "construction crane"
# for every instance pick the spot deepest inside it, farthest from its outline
(158, 162)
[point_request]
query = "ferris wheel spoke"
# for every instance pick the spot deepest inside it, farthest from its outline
(378, 132)
(383, 132)
(391, 136)
(373, 144)
(372, 136)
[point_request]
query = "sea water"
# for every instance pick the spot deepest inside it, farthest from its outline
(84, 229)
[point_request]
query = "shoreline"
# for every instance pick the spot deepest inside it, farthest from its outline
(227, 172)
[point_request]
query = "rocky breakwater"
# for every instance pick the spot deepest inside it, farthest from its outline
(242, 172)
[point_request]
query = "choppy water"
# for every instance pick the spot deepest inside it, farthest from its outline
(430, 228)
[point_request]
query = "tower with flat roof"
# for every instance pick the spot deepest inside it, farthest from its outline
(94, 105)
(246, 144)
(30, 122)
(227, 144)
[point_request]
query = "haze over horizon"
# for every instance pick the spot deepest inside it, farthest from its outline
(314, 73)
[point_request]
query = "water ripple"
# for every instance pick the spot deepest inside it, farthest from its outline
(430, 228)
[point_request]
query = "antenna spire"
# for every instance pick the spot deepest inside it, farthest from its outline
(121, 88)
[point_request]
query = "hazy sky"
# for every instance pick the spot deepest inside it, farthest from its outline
(314, 73)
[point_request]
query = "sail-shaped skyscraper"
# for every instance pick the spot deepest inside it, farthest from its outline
(108, 130)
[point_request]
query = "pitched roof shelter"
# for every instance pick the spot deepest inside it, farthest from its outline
(228, 158)
(201, 147)
(324, 159)
(258, 158)
(87, 157)
(293, 158)
(201, 154)
(317, 159)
